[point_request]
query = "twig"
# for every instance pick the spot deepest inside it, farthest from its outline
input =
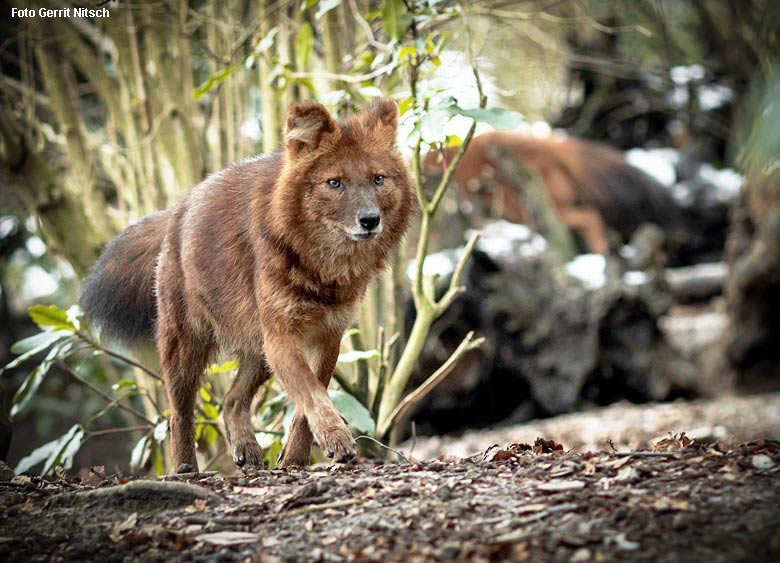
(444, 370)
(396, 452)
(522, 532)
(144, 427)
(345, 77)
(116, 355)
(103, 394)
(644, 454)
(313, 507)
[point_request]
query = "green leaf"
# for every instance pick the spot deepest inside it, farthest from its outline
(35, 457)
(356, 414)
(405, 105)
(67, 446)
(36, 341)
(307, 4)
(205, 395)
(395, 18)
(304, 41)
(33, 381)
(272, 453)
(497, 117)
(214, 369)
(215, 79)
(139, 451)
(211, 434)
(210, 411)
(325, 7)
(124, 384)
(356, 355)
(161, 430)
(33, 345)
(51, 316)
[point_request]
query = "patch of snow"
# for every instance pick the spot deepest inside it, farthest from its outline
(590, 269)
(35, 246)
(713, 96)
(442, 263)
(502, 241)
(682, 74)
(634, 277)
(727, 181)
(658, 163)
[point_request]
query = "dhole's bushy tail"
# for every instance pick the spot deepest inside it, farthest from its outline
(118, 295)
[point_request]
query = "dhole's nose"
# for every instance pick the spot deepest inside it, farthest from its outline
(369, 219)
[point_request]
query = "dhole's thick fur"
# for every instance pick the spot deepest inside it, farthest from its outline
(590, 184)
(268, 260)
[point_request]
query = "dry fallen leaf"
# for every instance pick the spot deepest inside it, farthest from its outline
(562, 485)
(119, 528)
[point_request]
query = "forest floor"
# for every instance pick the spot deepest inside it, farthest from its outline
(677, 500)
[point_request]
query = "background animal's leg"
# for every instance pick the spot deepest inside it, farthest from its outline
(285, 354)
(183, 358)
(252, 373)
(297, 450)
(587, 222)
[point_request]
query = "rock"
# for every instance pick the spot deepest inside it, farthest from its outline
(761, 461)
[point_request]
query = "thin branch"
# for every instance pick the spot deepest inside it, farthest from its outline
(396, 452)
(143, 427)
(105, 396)
(455, 287)
(346, 77)
(327, 505)
(116, 355)
(418, 394)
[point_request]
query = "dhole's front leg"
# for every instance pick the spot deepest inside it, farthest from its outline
(284, 352)
(297, 450)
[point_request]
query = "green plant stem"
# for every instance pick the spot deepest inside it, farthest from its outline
(120, 357)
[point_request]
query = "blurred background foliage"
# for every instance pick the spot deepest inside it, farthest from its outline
(104, 121)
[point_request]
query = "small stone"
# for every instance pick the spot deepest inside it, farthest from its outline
(243, 482)
(761, 461)
(580, 555)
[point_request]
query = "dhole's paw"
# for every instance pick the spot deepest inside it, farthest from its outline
(185, 468)
(248, 454)
(337, 443)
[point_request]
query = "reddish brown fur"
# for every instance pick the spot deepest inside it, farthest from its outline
(590, 184)
(256, 261)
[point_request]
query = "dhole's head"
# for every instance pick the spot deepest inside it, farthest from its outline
(346, 181)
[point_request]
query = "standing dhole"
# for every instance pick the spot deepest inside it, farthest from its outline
(266, 260)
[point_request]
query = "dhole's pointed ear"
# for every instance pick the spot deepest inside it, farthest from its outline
(308, 124)
(382, 116)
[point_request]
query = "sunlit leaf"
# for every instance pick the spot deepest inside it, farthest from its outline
(67, 446)
(210, 411)
(205, 395)
(395, 18)
(356, 414)
(38, 455)
(267, 41)
(211, 434)
(161, 430)
(124, 384)
(370, 91)
(214, 369)
(137, 455)
(51, 316)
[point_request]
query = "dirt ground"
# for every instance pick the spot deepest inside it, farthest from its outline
(536, 501)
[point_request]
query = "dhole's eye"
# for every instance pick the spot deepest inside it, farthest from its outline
(334, 183)
(379, 180)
